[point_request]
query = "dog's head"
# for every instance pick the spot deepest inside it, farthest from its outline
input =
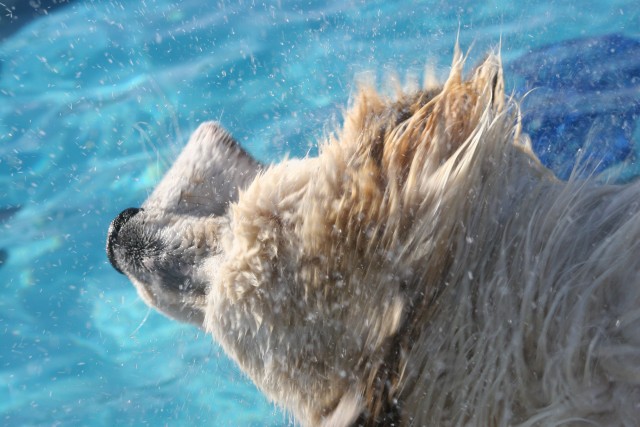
(307, 276)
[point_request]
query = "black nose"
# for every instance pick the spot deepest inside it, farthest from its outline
(112, 236)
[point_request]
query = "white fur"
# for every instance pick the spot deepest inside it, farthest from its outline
(428, 263)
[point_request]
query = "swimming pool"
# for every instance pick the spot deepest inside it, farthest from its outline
(98, 97)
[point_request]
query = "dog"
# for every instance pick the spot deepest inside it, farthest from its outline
(424, 269)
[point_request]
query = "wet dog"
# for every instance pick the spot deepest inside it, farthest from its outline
(424, 269)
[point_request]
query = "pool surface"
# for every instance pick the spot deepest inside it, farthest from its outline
(97, 97)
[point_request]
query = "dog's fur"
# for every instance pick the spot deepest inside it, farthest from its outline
(425, 269)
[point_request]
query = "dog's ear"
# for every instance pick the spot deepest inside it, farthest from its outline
(206, 176)
(464, 105)
(486, 81)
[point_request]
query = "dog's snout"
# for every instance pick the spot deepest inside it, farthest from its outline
(112, 236)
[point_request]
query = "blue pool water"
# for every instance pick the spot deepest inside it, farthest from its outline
(97, 97)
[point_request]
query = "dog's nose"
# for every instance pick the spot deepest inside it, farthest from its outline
(112, 236)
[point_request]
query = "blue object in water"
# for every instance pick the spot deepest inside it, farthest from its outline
(582, 102)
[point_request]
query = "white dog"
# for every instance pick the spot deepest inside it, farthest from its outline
(425, 269)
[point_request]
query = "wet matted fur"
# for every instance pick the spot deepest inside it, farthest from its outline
(424, 269)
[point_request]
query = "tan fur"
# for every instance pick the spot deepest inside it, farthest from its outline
(426, 269)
